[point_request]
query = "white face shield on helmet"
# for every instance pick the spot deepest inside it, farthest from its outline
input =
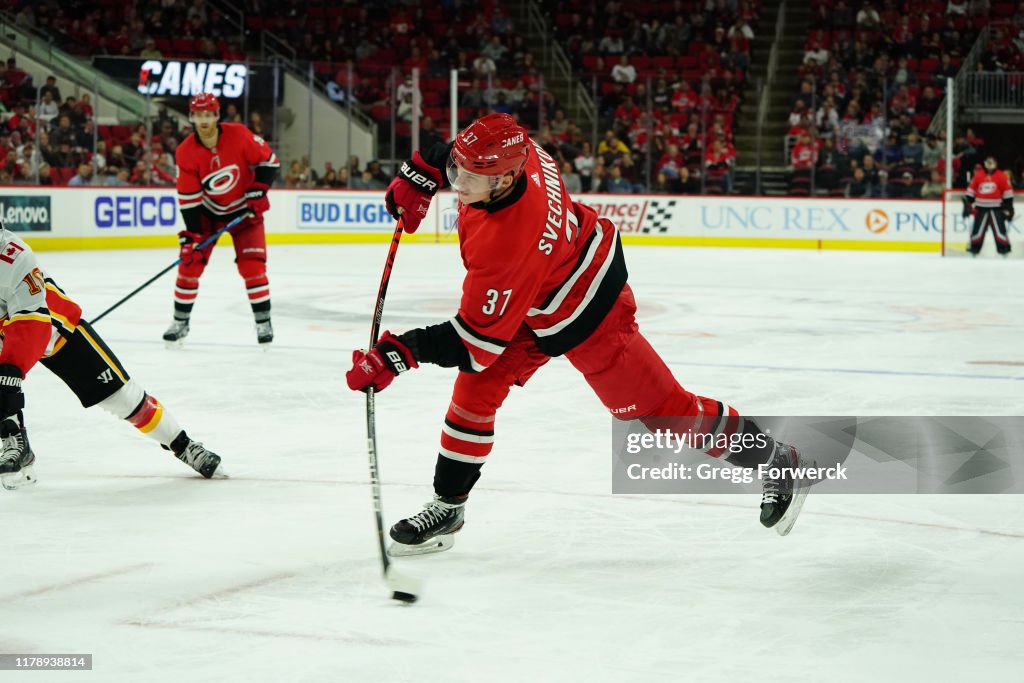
(468, 182)
(990, 164)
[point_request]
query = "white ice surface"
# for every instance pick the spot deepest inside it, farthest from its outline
(272, 575)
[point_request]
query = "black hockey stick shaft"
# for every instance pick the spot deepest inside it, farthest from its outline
(147, 283)
(371, 410)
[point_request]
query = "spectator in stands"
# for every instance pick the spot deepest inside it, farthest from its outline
(905, 188)
(611, 148)
(119, 177)
(573, 182)
(50, 87)
(150, 51)
(957, 7)
(859, 185)
(872, 174)
(718, 165)
(611, 44)
(494, 49)
(913, 149)
(934, 186)
(666, 182)
(405, 94)
(932, 152)
(817, 56)
(616, 183)
(868, 18)
(946, 70)
(47, 107)
(831, 163)
(584, 163)
(343, 181)
(484, 67)
(827, 118)
(624, 72)
(83, 177)
(378, 177)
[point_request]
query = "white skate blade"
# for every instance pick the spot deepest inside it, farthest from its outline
(220, 472)
(17, 480)
(785, 525)
(174, 344)
(438, 544)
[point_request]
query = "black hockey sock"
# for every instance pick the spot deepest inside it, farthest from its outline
(760, 451)
(261, 310)
(453, 478)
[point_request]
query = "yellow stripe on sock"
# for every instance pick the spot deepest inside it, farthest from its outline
(153, 421)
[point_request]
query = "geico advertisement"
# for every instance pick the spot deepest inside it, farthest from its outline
(135, 210)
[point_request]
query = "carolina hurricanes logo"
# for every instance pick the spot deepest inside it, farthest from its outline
(987, 187)
(222, 181)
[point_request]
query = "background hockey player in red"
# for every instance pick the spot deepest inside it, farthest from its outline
(991, 195)
(40, 323)
(224, 171)
(545, 277)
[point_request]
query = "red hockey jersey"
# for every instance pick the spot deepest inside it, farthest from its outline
(216, 179)
(990, 189)
(537, 258)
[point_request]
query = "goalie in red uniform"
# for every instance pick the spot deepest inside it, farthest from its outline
(224, 171)
(991, 196)
(545, 277)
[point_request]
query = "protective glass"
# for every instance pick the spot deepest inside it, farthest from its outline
(471, 183)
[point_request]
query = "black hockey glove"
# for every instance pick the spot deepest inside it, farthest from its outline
(968, 206)
(12, 401)
(1008, 209)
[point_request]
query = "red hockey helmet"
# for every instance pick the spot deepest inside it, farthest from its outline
(204, 101)
(492, 146)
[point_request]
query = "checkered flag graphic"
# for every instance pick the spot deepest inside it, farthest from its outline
(658, 218)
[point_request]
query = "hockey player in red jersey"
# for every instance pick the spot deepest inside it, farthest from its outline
(38, 322)
(991, 196)
(545, 277)
(224, 171)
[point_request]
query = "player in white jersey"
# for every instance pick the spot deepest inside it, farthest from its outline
(40, 323)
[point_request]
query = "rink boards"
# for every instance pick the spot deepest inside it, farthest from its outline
(118, 218)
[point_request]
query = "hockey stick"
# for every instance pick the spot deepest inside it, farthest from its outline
(403, 588)
(147, 283)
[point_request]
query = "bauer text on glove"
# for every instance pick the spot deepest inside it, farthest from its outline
(256, 199)
(409, 194)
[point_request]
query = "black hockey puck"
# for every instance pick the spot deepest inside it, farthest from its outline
(407, 598)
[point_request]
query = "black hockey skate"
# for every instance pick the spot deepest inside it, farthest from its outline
(783, 496)
(176, 333)
(264, 332)
(429, 531)
(196, 456)
(16, 458)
